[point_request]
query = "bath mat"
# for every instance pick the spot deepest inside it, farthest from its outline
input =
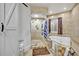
(40, 51)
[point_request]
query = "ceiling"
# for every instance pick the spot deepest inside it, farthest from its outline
(54, 7)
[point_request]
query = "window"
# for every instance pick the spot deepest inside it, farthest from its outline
(54, 25)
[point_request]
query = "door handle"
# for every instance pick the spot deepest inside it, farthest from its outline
(2, 25)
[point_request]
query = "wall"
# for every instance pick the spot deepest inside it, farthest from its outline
(75, 22)
(75, 28)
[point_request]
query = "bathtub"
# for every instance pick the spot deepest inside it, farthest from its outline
(59, 40)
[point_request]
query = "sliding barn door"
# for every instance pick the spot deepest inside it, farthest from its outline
(15, 23)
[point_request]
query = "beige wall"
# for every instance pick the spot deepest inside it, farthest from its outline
(36, 36)
(75, 23)
(75, 28)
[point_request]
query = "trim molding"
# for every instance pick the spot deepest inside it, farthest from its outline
(74, 6)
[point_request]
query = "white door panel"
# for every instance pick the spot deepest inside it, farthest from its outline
(12, 24)
(11, 37)
(9, 10)
(7, 7)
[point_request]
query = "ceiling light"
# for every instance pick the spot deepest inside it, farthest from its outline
(65, 8)
(63, 14)
(52, 16)
(35, 15)
(37, 20)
